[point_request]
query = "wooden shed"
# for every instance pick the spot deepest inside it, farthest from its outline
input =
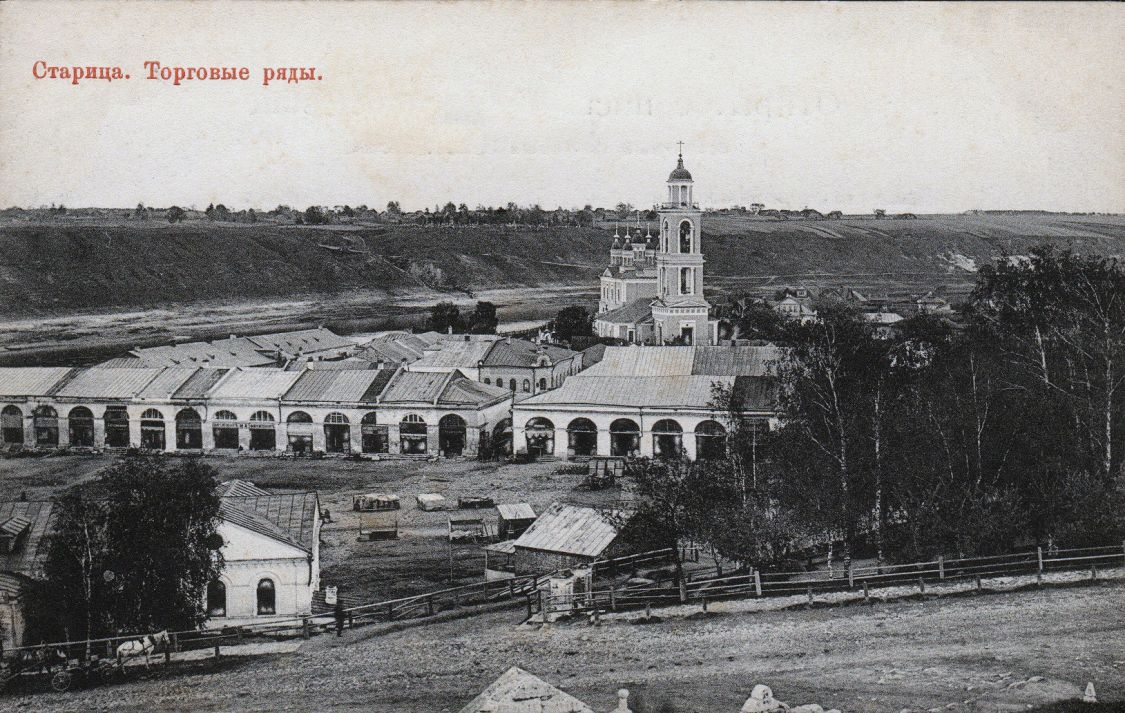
(566, 536)
(515, 518)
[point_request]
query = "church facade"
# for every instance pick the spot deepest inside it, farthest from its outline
(652, 291)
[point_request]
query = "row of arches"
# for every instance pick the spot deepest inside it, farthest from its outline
(225, 430)
(625, 438)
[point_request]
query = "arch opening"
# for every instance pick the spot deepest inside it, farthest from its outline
(710, 440)
(540, 436)
(667, 439)
(413, 435)
(624, 438)
(452, 432)
(582, 438)
(189, 429)
(225, 430)
(11, 425)
(80, 422)
(152, 430)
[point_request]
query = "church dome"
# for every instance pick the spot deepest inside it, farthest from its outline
(679, 173)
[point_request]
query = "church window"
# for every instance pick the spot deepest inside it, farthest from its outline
(687, 284)
(685, 236)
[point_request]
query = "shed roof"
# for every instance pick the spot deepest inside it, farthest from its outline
(570, 530)
(30, 380)
(515, 511)
(254, 384)
(30, 553)
(520, 692)
(99, 383)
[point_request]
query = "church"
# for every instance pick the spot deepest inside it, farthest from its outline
(652, 291)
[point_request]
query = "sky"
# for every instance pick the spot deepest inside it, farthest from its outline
(923, 108)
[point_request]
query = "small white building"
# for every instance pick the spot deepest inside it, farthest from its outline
(271, 555)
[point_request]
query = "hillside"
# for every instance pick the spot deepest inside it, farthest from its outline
(59, 268)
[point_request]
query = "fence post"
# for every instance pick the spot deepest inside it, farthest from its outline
(238, 631)
(979, 587)
(704, 605)
(612, 599)
(1039, 556)
(921, 585)
(810, 595)
(941, 567)
(390, 612)
(865, 593)
(217, 654)
(851, 577)
(109, 648)
(430, 605)
(1093, 572)
(542, 611)
(757, 583)
(304, 627)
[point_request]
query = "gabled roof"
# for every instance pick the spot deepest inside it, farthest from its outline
(515, 511)
(288, 518)
(518, 691)
(303, 341)
(30, 380)
(633, 391)
(167, 382)
(462, 391)
(28, 557)
(685, 361)
(235, 351)
(444, 389)
(593, 354)
(454, 354)
(636, 311)
(570, 530)
(199, 383)
(240, 489)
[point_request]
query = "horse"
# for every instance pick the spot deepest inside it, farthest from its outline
(148, 644)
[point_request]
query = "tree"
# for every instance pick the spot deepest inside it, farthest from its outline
(139, 556)
(443, 317)
(880, 212)
(573, 321)
(252, 216)
(483, 320)
(393, 208)
(756, 319)
(140, 213)
(176, 214)
(314, 216)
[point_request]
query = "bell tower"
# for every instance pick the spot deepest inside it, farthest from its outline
(680, 312)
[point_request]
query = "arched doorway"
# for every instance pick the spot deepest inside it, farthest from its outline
(667, 439)
(11, 426)
(267, 597)
(451, 435)
(502, 438)
(225, 430)
(540, 436)
(412, 435)
(582, 437)
(81, 427)
(374, 436)
(152, 430)
(263, 431)
(116, 420)
(624, 437)
(710, 440)
(45, 421)
(189, 430)
(337, 433)
(299, 430)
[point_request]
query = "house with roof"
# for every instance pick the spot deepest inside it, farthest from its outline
(254, 351)
(651, 401)
(271, 555)
(24, 526)
(567, 536)
(521, 366)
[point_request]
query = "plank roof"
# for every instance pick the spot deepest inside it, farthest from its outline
(30, 553)
(570, 530)
(686, 361)
(517, 691)
(199, 383)
(524, 353)
(633, 312)
(30, 380)
(302, 341)
(454, 354)
(515, 511)
(463, 391)
(167, 382)
(231, 352)
(633, 391)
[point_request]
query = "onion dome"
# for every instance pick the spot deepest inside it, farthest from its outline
(616, 243)
(679, 173)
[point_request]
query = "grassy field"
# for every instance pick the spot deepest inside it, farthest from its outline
(966, 654)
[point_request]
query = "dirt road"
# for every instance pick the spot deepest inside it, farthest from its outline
(928, 655)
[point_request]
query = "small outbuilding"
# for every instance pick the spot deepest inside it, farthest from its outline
(566, 536)
(515, 518)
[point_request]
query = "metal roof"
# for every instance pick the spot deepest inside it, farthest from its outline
(515, 511)
(685, 361)
(525, 353)
(454, 354)
(303, 341)
(235, 351)
(331, 386)
(633, 391)
(199, 383)
(414, 386)
(638, 310)
(30, 380)
(102, 383)
(462, 390)
(288, 518)
(518, 691)
(240, 489)
(167, 383)
(570, 530)
(254, 384)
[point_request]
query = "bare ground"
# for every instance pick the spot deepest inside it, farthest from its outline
(965, 654)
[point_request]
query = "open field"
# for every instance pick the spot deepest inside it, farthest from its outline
(365, 571)
(966, 654)
(75, 292)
